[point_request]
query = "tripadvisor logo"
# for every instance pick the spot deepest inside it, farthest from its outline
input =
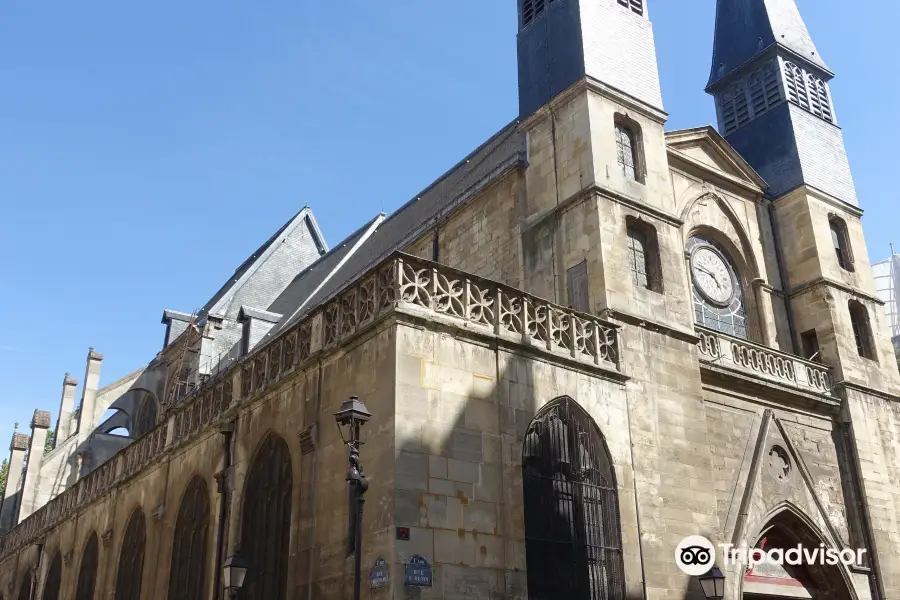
(696, 555)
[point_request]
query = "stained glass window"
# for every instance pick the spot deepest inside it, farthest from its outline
(187, 575)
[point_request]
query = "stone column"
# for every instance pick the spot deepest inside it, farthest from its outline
(40, 423)
(9, 512)
(66, 407)
(86, 419)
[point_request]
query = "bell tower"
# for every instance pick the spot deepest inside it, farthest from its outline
(561, 41)
(774, 105)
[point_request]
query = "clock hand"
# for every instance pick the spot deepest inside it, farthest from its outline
(712, 275)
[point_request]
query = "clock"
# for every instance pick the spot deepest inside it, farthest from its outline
(711, 275)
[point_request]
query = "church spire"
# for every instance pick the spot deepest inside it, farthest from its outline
(746, 28)
(773, 101)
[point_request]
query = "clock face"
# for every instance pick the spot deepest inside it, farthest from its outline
(712, 275)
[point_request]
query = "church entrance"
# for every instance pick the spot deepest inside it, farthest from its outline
(768, 581)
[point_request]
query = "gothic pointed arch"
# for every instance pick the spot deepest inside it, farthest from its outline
(87, 571)
(131, 558)
(786, 526)
(573, 538)
(266, 521)
(190, 544)
(727, 227)
(54, 579)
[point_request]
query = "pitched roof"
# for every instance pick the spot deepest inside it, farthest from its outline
(745, 28)
(380, 237)
(258, 257)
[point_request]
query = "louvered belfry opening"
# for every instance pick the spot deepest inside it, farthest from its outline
(266, 522)
(87, 572)
(573, 539)
(131, 558)
(54, 579)
(187, 574)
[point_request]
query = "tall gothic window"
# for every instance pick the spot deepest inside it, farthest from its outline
(266, 526)
(796, 85)
(717, 290)
(573, 539)
(54, 579)
(840, 239)
(146, 416)
(820, 105)
(628, 149)
(131, 559)
(187, 574)
(862, 329)
(87, 573)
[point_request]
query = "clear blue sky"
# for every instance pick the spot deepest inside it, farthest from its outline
(147, 148)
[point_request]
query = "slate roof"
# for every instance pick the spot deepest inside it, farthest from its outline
(745, 28)
(304, 213)
(503, 151)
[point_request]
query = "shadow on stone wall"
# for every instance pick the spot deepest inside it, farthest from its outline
(463, 410)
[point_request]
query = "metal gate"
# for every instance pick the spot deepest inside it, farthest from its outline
(573, 540)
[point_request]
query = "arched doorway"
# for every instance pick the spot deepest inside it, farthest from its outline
(573, 540)
(766, 581)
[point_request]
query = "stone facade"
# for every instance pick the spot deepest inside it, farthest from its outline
(553, 267)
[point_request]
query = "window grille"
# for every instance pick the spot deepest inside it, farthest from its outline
(187, 574)
(862, 332)
(131, 559)
(637, 243)
(87, 573)
(818, 95)
(266, 523)
(532, 9)
(625, 147)
(637, 6)
(54, 579)
(573, 539)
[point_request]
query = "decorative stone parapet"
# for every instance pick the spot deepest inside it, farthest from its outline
(400, 283)
(749, 358)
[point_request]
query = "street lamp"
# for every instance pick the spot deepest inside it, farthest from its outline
(350, 418)
(713, 584)
(233, 572)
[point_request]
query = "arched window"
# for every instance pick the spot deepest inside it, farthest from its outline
(717, 289)
(266, 521)
(187, 574)
(862, 329)
(820, 105)
(573, 540)
(54, 579)
(796, 85)
(87, 573)
(629, 148)
(840, 239)
(131, 559)
(146, 416)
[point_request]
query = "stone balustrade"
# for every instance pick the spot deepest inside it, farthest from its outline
(401, 283)
(740, 355)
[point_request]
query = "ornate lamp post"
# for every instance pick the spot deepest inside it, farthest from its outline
(352, 415)
(713, 584)
(234, 569)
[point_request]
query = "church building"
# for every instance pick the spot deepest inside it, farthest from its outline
(585, 342)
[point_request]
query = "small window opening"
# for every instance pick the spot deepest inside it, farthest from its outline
(811, 345)
(636, 6)
(840, 239)
(629, 149)
(643, 255)
(862, 329)
(577, 284)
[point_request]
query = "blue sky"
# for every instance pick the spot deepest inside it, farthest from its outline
(147, 148)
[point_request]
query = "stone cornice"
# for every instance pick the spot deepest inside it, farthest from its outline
(827, 281)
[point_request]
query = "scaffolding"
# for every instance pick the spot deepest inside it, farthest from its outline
(887, 285)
